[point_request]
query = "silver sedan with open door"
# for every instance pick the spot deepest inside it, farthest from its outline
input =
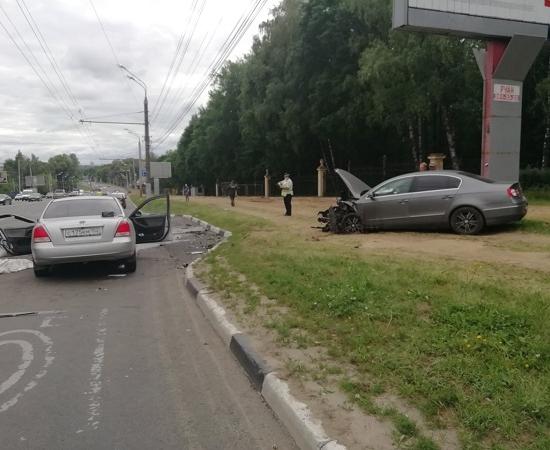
(89, 228)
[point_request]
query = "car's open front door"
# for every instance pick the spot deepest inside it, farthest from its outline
(151, 219)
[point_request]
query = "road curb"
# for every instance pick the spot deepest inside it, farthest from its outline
(295, 415)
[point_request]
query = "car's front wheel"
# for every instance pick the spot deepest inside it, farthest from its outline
(351, 223)
(467, 220)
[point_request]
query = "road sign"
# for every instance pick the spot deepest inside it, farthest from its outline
(161, 170)
(3, 177)
(33, 181)
(144, 173)
(474, 18)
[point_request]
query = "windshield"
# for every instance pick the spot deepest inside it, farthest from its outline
(86, 207)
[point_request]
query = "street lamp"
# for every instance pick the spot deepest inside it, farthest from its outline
(132, 76)
(140, 167)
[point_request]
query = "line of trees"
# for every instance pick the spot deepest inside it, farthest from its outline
(328, 79)
(60, 171)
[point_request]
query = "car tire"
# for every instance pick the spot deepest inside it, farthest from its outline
(130, 264)
(351, 223)
(467, 220)
(41, 271)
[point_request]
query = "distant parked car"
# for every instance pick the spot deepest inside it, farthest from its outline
(34, 197)
(24, 194)
(59, 193)
(5, 199)
(49, 194)
(462, 201)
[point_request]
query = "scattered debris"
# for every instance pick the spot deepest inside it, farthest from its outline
(10, 265)
(196, 253)
(101, 289)
(17, 314)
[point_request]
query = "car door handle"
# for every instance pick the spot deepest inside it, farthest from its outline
(402, 202)
(448, 197)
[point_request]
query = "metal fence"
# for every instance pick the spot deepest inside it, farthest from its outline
(306, 184)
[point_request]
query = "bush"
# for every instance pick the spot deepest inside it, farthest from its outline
(535, 178)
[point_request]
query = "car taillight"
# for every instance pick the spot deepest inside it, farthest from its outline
(39, 234)
(123, 229)
(514, 191)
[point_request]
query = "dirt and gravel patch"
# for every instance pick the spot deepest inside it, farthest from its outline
(497, 246)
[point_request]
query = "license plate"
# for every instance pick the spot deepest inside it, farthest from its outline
(82, 232)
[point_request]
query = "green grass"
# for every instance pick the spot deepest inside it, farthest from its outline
(461, 340)
(538, 196)
(534, 226)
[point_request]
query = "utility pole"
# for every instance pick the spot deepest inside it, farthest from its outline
(147, 139)
(19, 170)
(132, 76)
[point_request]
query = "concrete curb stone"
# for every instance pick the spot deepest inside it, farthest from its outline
(295, 415)
(252, 363)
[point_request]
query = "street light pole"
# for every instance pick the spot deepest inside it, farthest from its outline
(139, 81)
(140, 167)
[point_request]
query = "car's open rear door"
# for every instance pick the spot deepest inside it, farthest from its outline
(151, 219)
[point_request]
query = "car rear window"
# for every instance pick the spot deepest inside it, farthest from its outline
(80, 207)
(477, 177)
(435, 183)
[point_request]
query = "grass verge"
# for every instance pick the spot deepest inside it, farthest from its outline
(469, 344)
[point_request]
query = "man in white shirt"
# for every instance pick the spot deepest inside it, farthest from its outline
(287, 193)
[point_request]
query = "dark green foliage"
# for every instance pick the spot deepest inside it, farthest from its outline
(330, 75)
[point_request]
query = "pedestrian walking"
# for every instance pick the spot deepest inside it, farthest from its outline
(186, 192)
(232, 191)
(287, 193)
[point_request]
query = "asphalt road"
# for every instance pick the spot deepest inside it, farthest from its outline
(122, 362)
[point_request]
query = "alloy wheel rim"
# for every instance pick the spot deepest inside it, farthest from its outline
(467, 221)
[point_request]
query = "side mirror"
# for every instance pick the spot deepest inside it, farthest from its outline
(371, 195)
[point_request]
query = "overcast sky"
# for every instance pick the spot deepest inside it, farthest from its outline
(143, 35)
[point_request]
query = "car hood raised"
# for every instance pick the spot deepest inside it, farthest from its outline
(354, 184)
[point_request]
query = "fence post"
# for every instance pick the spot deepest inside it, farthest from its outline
(266, 183)
(321, 179)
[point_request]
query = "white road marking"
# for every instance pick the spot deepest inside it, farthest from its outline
(27, 358)
(94, 408)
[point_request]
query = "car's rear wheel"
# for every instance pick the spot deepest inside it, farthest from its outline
(130, 264)
(467, 220)
(351, 223)
(41, 271)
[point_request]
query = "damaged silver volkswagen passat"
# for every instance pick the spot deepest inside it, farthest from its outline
(464, 202)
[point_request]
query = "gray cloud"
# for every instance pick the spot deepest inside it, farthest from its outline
(144, 35)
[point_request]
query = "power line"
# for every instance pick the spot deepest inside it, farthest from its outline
(199, 54)
(184, 53)
(51, 58)
(174, 59)
(44, 76)
(118, 64)
(216, 63)
(230, 43)
(34, 69)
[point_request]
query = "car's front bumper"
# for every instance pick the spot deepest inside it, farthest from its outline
(45, 253)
